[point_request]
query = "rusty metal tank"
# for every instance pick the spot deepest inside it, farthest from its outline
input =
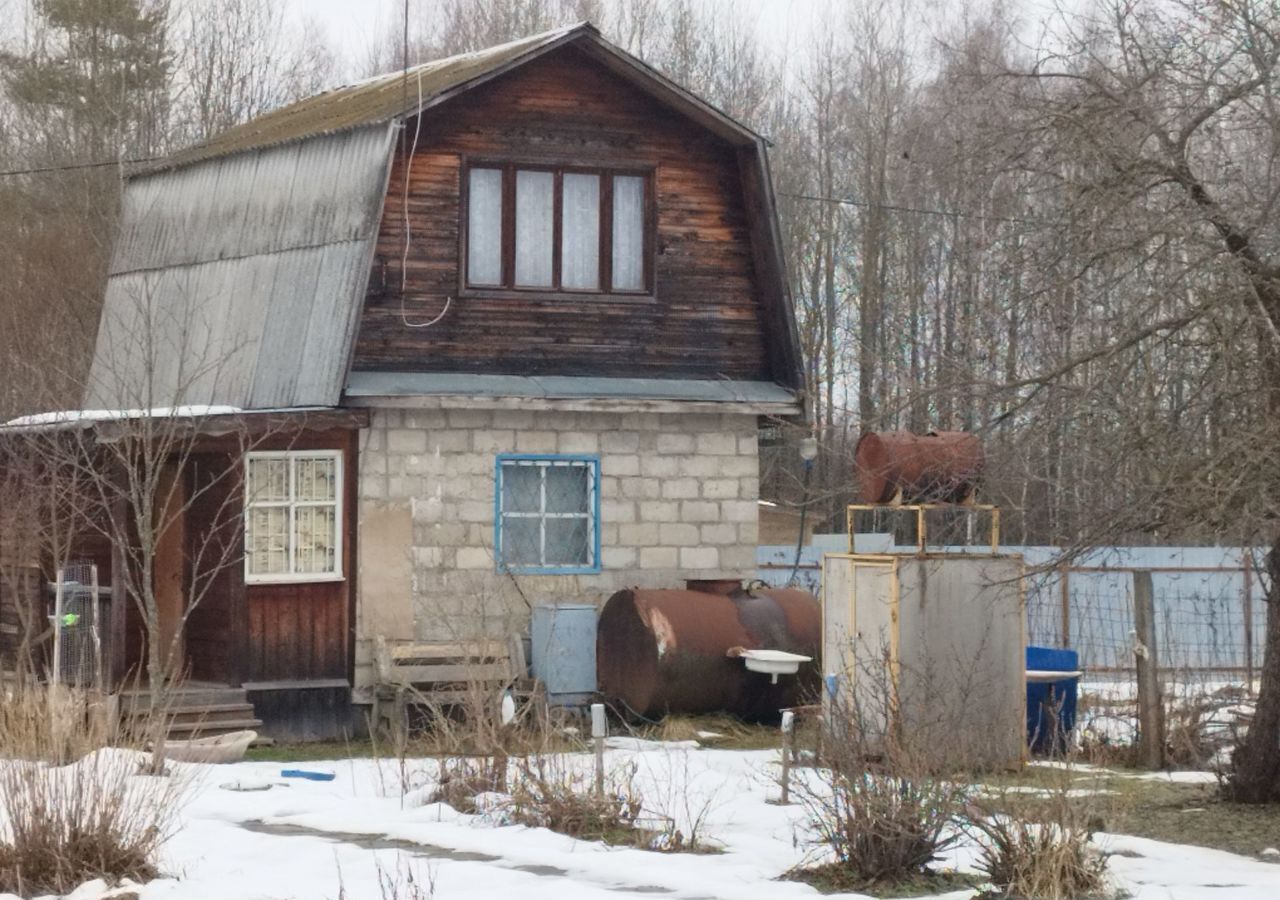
(938, 467)
(666, 651)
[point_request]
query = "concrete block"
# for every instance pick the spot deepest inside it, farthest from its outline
(749, 444)
(449, 440)
(637, 534)
(640, 488)
(675, 444)
(739, 466)
(738, 559)
(620, 442)
(470, 418)
(699, 558)
(718, 444)
(620, 464)
(740, 510)
(681, 534)
(700, 511)
(680, 489)
(474, 558)
(659, 557)
(719, 534)
(659, 466)
(619, 557)
(537, 441)
(659, 511)
(579, 442)
(720, 488)
(617, 510)
(406, 440)
(499, 440)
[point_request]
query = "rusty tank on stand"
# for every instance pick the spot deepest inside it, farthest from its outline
(667, 651)
(899, 466)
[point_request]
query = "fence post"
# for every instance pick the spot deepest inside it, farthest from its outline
(1150, 707)
(1064, 586)
(1248, 621)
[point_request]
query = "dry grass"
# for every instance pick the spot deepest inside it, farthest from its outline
(548, 791)
(877, 806)
(74, 805)
(1039, 846)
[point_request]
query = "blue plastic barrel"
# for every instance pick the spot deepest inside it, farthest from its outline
(1051, 705)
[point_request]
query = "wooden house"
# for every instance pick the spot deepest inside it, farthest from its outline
(514, 316)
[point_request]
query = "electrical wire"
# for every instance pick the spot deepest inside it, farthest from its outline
(408, 175)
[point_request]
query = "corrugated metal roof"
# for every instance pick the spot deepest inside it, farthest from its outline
(236, 281)
(402, 93)
(378, 99)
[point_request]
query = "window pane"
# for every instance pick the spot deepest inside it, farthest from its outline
(580, 222)
(568, 542)
(568, 489)
(314, 479)
(268, 540)
(315, 526)
(484, 227)
(521, 541)
(628, 233)
(268, 480)
(535, 196)
(521, 488)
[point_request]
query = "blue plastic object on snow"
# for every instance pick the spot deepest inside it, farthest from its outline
(1051, 705)
(307, 774)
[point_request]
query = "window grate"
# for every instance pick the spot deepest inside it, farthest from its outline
(548, 514)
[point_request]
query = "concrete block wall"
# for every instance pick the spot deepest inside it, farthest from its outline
(678, 499)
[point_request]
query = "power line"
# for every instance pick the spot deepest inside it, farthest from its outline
(813, 198)
(919, 210)
(71, 167)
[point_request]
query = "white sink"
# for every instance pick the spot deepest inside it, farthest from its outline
(771, 662)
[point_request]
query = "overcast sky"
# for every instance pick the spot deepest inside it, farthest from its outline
(352, 25)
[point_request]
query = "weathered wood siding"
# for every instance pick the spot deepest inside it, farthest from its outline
(303, 631)
(704, 320)
(268, 632)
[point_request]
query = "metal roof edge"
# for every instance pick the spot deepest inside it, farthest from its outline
(369, 385)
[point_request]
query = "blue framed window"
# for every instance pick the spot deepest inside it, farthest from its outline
(547, 514)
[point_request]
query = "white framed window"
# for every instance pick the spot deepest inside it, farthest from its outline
(293, 516)
(547, 517)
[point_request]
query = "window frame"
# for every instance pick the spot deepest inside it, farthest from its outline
(592, 463)
(338, 503)
(605, 290)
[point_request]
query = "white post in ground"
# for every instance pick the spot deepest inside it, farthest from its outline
(599, 729)
(788, 729)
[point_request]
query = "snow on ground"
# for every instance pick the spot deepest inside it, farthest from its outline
(312, 840)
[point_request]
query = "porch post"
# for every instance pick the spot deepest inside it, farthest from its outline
(238, 603)
(120, 600)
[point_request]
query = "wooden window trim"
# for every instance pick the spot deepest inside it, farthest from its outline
(605, 292)
(292, 504)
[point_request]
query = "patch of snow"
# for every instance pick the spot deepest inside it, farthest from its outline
(89, 416)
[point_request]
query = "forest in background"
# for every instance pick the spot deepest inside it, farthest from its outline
(1058, 232)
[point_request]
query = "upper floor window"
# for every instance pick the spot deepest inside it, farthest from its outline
(293, 516)
(558, 229)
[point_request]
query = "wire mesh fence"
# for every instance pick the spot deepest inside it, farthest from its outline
(78, 618)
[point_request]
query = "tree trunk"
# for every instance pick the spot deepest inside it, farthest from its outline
(1255, 776)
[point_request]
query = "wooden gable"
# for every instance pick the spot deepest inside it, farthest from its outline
(709, 312)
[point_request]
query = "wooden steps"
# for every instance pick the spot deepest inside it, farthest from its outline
(195, 710)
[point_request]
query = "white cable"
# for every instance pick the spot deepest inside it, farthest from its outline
(404, 257)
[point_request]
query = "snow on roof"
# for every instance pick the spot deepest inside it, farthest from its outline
(90, 416)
